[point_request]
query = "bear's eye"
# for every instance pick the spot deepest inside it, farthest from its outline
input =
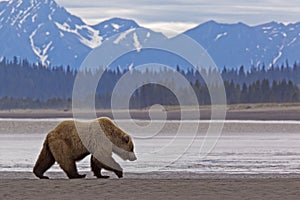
(126, 139)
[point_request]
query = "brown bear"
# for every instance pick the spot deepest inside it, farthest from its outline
(71, 141)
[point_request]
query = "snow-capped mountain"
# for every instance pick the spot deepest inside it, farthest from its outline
(42, 31)
(233, 45)
(115, 26)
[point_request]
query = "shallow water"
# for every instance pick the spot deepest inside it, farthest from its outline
(247, 147)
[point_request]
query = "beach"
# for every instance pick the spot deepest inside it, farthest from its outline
(250, 159)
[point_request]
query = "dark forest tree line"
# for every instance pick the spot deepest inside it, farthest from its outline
(26, 85)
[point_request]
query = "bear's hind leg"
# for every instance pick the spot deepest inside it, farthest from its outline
(69, 167)
(44, 162)
(66, 163)
(96, 169)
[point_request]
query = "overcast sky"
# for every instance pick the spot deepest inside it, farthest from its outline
(179, 15)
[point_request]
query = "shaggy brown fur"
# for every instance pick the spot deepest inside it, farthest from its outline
(64, 144)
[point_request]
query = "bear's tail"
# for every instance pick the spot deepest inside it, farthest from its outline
(44, 161)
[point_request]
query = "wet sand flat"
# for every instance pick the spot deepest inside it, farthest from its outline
(242, 188)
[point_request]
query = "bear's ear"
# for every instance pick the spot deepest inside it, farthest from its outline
(126, 138)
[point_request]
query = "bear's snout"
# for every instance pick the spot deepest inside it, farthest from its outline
(132, 157)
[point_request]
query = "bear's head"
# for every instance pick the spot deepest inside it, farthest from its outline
(122, 143)
(125, 149)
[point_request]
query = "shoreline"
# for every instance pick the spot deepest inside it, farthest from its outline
(234, 112)
(162, 175)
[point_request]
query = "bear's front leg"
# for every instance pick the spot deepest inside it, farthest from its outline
(110, 165)
(96, 169)
(119, 173)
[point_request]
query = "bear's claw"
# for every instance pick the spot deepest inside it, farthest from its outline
(77, 176)
(119, 174)
(104, 177)
(82, 176)
(43, 177)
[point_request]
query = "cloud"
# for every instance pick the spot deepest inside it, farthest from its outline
(190, 11)
(181, 14)
(170, 29)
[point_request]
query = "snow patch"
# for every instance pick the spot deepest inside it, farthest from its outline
(267, 28)
(258, 63)
(106, 26)
(52, 9)
(12, 10)
(279, 55)
(24, 18)
(41, 53)
(1, 12)
(51, 14)
(33, 18)
(123, 35)
(96, 39)
(283, 34)
(93, 42)
(46, 48)
(294, 40)
(116, 26)
(148, 35)
(16, 18)
(28, 10)
(220, 35)
(64, 27)
(131, 67)
(19, 3)
(136, 43)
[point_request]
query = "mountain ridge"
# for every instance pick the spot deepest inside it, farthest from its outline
(50, 35)
(270, 43)
(45, 32)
